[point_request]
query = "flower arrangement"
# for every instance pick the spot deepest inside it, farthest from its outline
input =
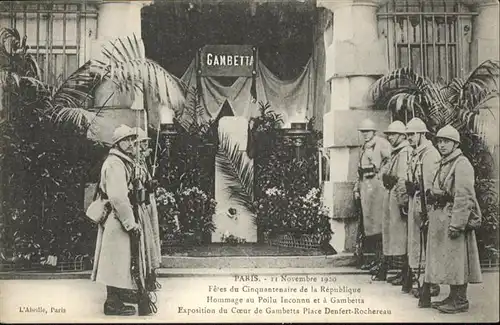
(168, 214)
(279, 214)
(310, 216)
(231, 239)
(196, 211)
(272, 211)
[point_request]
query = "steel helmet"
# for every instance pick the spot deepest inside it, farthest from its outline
(367, 125)
(396, 127)
(416, 125)
(122, 132)
(449, 132)
(141, 134)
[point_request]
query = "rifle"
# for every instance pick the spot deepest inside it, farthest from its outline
(360, 236)
(145, 304)
(424, 222)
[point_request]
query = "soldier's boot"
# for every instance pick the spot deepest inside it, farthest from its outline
(375, 269)
(407, 279)
(368, 265)
(435, 290)
(114, 306)
(424, 300)
(129, 296)
(382, 272)
(359, 260)
(396, 280)
(451, 295)
(459, 304)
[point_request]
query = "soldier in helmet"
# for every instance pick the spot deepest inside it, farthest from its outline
(452, 254)
(421, 171)
(375, 152)
(395, 208)
(112, 259)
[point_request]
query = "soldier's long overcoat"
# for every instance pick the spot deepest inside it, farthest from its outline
(374, 153)
(149, 219)
(425, 158)
(394, 224)
(453, 261)
(112, 259)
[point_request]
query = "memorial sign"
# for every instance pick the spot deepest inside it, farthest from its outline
(227, 60)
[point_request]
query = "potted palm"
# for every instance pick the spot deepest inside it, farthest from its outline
(438, 103)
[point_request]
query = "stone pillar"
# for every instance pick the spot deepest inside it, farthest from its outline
(485, 31)
(485, 45)
(354, 60)
(117, 19)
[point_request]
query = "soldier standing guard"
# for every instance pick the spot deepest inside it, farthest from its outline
(112, 259)
(394, 222)
(422, 168)
(452, 253)
(375, 152)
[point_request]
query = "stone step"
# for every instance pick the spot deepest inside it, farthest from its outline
(270, 262)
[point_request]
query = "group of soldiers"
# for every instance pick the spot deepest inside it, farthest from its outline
(127, 251)
(419, 212)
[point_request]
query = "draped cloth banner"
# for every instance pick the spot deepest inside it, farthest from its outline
(292, 99)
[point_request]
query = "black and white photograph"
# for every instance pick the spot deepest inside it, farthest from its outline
(249, 161)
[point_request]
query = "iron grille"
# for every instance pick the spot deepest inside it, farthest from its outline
(57, 32)
(431, 37)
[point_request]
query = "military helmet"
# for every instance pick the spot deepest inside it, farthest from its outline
(396, 127)
(367, 125)
(122, 132)
(141, 134)
(449, 132)
(416, 125)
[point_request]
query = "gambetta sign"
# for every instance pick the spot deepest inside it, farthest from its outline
(227, 60)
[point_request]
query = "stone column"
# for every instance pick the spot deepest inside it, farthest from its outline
(354, 60)
(117, 19)
(485, 31)
(485, 45)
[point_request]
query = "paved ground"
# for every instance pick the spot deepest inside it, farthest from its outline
(81, 301)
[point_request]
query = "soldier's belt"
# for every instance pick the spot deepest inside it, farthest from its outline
(439, 201)
(367, 172)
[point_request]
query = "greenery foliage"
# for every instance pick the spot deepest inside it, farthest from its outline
(286, 192)
(456, 102)
(196, 211)
(45, 156)
(45, 159)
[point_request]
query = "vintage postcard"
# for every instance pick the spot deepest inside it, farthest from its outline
(221, 161)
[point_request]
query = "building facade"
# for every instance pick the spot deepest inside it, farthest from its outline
(439, 39)
(357, 40)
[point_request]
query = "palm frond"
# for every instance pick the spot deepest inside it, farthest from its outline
(193, 113)
(403, 89)
(77, 116)
(485, 75)
(237, 171)
(14, 56)
(69, 97)
(130, 70)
